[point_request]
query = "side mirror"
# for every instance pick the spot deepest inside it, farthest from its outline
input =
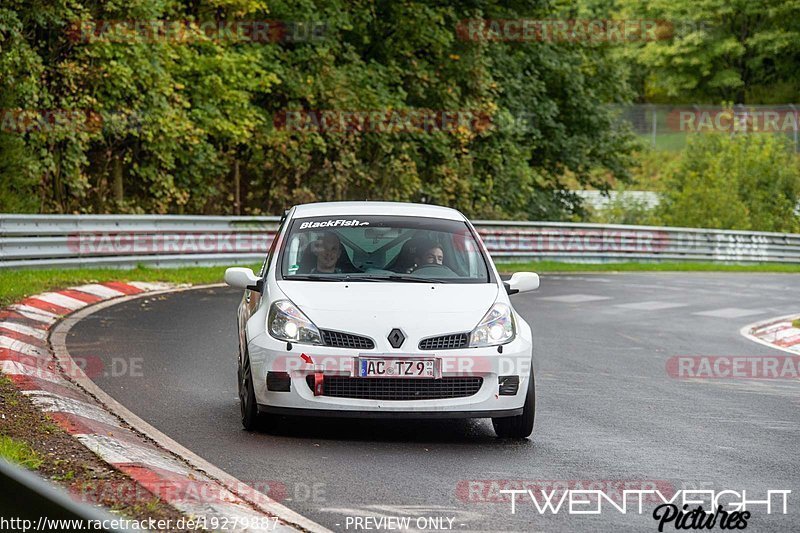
(522, 282)
(242, 278)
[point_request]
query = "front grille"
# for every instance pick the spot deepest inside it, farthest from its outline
(398, 388)
(445, 342)
(346, 340)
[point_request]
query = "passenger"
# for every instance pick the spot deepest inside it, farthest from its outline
(328, 249)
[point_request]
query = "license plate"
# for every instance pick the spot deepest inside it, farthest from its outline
(396, 368)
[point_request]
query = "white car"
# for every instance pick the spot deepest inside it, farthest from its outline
(381, 309)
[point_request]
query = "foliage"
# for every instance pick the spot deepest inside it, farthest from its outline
(168, 122)
(19, 452)
(747, 182)
(718, 51)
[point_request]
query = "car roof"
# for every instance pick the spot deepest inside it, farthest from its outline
(375, 208)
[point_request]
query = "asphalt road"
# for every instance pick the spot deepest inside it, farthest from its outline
(607, 410)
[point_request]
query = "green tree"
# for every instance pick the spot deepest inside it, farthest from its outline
(747, 182)
(719, 51)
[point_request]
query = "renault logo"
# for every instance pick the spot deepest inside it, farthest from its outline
(396, 338)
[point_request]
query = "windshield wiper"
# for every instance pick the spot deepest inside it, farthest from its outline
(413, 279)
(311, 278)
(392, 277)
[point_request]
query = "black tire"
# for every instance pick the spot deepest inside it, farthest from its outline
(520, 426)
(247, 396)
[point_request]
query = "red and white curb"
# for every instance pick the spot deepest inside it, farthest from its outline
(776, 333)
(58, 385)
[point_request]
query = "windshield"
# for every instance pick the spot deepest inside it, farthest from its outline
(382, 248)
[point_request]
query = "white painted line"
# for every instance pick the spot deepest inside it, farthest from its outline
(98, 290)
(16, 368)
(729, 312)
(651, 305)
(116, 451)
(59, 404)
(34, 314)
(25, 330)
(61, 300)
(575, 298)
(22, 347)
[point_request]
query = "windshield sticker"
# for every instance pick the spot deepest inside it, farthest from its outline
(332, 224)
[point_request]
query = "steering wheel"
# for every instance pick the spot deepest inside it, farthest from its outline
(434, 270)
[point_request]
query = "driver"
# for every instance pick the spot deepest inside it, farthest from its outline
(328, 250)
(428, 253)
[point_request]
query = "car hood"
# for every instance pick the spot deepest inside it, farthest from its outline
(373, 309)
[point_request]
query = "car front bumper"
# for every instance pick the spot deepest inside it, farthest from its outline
(270, 355)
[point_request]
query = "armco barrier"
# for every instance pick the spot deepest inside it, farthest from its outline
(172, 240)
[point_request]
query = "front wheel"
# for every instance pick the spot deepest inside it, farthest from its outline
(247, 396)
(520, 426)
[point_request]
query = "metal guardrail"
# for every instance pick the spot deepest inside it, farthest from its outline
(168, 240)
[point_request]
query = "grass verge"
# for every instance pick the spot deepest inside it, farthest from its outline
(18, 452)
(17, 284)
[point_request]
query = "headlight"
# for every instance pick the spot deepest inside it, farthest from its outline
(496, 327)
(287, 323)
